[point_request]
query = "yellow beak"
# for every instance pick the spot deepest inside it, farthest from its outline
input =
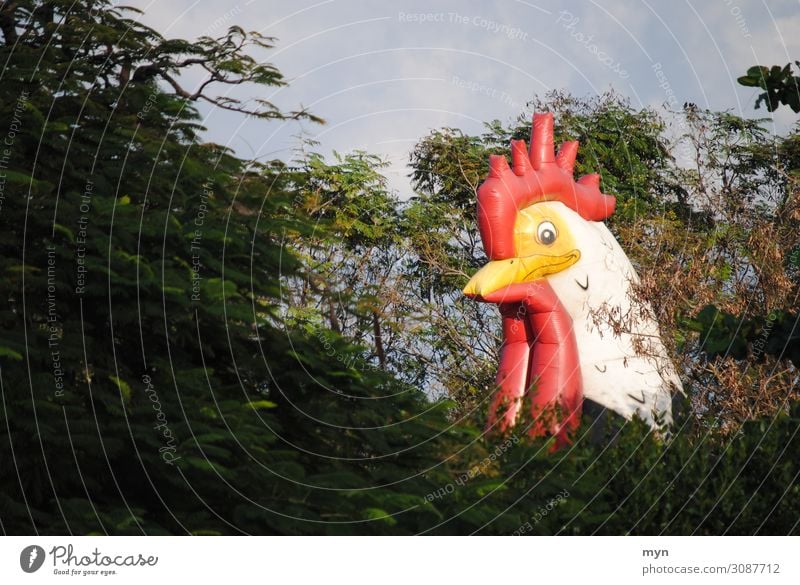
(501, 273)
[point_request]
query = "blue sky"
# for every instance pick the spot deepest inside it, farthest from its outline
(383, 74)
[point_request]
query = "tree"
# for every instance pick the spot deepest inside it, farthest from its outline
(778, 83)
(150, 379)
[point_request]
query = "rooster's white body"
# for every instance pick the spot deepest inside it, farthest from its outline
(624, 364)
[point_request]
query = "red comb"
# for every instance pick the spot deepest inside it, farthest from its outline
(536, 175)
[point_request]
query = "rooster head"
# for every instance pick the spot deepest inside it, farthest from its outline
(524, 229)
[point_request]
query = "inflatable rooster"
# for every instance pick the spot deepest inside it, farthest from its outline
(572, 325)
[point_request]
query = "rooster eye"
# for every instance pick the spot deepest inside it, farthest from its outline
(547, 233)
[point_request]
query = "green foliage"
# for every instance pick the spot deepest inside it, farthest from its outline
(721, 333)
(624, 145)
(778, 83)
(194, 343)
(150, 381)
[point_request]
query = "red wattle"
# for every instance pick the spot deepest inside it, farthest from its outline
(539, 350)
(512, 375)
(554, 368)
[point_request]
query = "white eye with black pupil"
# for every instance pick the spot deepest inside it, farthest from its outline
(547, 233)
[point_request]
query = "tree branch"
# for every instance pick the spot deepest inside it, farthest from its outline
(8, 22)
